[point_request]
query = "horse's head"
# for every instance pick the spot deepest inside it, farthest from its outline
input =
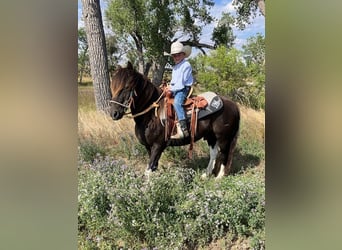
(122, 88)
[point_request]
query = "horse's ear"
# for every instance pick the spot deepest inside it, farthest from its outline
(129, 65)
(112, 73)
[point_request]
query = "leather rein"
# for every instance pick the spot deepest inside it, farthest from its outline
(130, 101)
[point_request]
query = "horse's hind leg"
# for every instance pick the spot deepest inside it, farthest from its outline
(213, 154)
(213, 147)
(224, 158)
(221, 159)
(230, 155)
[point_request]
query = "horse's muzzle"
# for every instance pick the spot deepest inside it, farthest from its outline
(116, 115)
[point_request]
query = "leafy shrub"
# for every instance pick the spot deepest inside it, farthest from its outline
(222, 71)
(225, 71)
(251, 96)
(147, 210)
(93, 207)
(173, 209)
(234, 204)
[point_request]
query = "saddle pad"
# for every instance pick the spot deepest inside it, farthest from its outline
(214, 104)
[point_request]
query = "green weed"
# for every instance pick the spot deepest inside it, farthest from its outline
(118, 207)
(90, 150)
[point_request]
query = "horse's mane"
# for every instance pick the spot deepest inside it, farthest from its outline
(131, 79)
(125, 78)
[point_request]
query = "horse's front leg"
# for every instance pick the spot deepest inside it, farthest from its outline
(155, 153)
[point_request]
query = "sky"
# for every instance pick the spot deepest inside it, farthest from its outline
(257, 25)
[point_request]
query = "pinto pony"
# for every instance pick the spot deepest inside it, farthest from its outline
(132, 90)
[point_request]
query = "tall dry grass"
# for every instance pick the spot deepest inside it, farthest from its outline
(96, 126)
(97, 129)
(253, 123)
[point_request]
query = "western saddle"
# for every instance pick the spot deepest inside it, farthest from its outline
(192, 105)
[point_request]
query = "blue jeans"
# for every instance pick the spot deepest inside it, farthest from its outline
(180, 96)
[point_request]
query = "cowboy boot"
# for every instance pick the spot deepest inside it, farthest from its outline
(184, 127)
(182, 130)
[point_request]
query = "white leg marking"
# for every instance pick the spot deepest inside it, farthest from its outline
(148, 172)
(221, 173)
(213, 154)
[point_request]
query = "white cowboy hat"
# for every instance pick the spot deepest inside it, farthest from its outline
(178, 47)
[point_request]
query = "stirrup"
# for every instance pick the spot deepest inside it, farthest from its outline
(179, 134)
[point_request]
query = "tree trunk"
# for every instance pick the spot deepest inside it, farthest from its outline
(139, 45)
(81, 75)
(97, 53)
(261, 5)
(140, 62)
(147, 68)
(159, 72)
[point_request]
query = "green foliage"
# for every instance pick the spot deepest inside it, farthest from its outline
(239, 75)
(82, 40)
(173, 209)
(254, 55)
(254, 50)
(112, 50)
(93, 207)
(154, 23)
(234, 204)
(89, 150)
(178, 154)
(252, 147)
(222, 71)
(223, 32)
(83, 57)
(148, 210)
(246, 10)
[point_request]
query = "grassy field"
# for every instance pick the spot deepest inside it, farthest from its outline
(119, 209)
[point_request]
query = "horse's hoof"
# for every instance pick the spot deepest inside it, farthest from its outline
(221, 173)
(148, 172)
(219, 177)
(204, 176)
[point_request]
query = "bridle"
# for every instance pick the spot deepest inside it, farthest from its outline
(127, 104)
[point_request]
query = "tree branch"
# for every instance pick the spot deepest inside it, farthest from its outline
(199, 45)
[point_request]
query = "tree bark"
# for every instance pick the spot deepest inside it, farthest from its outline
(147, 67)
(261, 5)
(97, 53)
(139, 45)
(159, 72)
